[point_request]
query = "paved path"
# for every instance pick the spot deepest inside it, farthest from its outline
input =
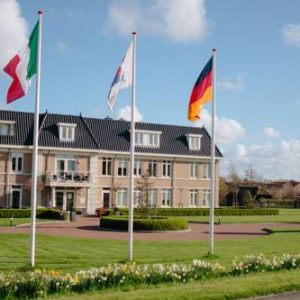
(284, 296)
(87, 227)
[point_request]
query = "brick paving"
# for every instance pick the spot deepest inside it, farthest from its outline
(87, 227)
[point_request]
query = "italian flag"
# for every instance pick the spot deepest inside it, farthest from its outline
(22, 67)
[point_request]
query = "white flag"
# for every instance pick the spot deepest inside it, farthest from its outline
(123, 77)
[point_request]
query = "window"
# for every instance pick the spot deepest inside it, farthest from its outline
(147, 138)
(206, 171)
(17, 162)
(122, 168)
(122, 198)
(7, 128)
(166, 168)
(194, 141)
(152, 168)
(166, 198)
(137, 198)
(193, 198)
(206, 197)
(137, 168)
(152, 197)
(106, 166)
(65, 167)
(66, 132)
(194, 170)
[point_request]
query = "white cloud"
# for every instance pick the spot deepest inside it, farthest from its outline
(61, 46)
(125, 113)
(236, 84)
(227, 130)
(272, 161)
(270, 132)
(13, 30)
(179, 20)
(241, 150)
(291, 34)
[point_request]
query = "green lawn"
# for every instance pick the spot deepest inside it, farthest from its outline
(217, 289)
(285, 216)
(72, 254)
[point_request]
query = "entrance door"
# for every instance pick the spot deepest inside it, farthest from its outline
(105, 200)
(70, 200)
(16, 198)
(59, 197)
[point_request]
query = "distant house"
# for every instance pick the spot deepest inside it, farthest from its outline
(236, 195)
(84, 162)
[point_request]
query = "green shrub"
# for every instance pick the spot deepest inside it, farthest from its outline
(41, 213)
(145, 224)
(205, 211)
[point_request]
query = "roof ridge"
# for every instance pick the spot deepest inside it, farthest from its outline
(89, 130)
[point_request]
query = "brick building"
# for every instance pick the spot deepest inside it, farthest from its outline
(84, 162)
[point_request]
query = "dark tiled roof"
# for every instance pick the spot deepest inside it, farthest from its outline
(102, 134)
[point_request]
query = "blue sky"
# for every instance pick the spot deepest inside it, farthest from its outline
(258, 67)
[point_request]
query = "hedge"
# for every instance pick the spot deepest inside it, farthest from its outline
(204, 211)
(144, 224)
(279, 203)
(41, 213)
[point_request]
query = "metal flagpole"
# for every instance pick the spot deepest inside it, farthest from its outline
(132, 144)
(35, 145)
(213, 179)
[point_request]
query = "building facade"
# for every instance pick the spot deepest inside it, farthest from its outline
(84, 163)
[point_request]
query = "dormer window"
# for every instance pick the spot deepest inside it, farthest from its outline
(194, 141)
(7, 127)
(66, 132)
(147, 138)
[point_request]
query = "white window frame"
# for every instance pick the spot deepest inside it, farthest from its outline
(136, 195)
(205, 198)
(152, 165)
(106, 166)
(207, 170)
(66, 132)
(193, 198)
(66, 164)
(145, 138)
(166, 198)
(194, 170)
(122, 166)
(194, 141)
(167, 168)
(137, 171)
(122, 197)
(152, 197)
(17, 156)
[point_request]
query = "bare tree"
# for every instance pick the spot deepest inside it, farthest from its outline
(234, 180)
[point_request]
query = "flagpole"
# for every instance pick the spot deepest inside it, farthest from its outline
(213, 179)
(132, 146)
(35, 145)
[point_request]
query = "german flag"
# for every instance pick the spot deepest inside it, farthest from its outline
(202, 92)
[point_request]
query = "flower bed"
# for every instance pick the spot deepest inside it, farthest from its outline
(259, 263)
(41, 283)
(160, 223)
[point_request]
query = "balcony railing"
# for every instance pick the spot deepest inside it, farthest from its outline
(69, 177)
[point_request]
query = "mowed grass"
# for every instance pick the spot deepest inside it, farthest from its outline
(285, 216)
(217, 289)
(17, 221)
(72, 254)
